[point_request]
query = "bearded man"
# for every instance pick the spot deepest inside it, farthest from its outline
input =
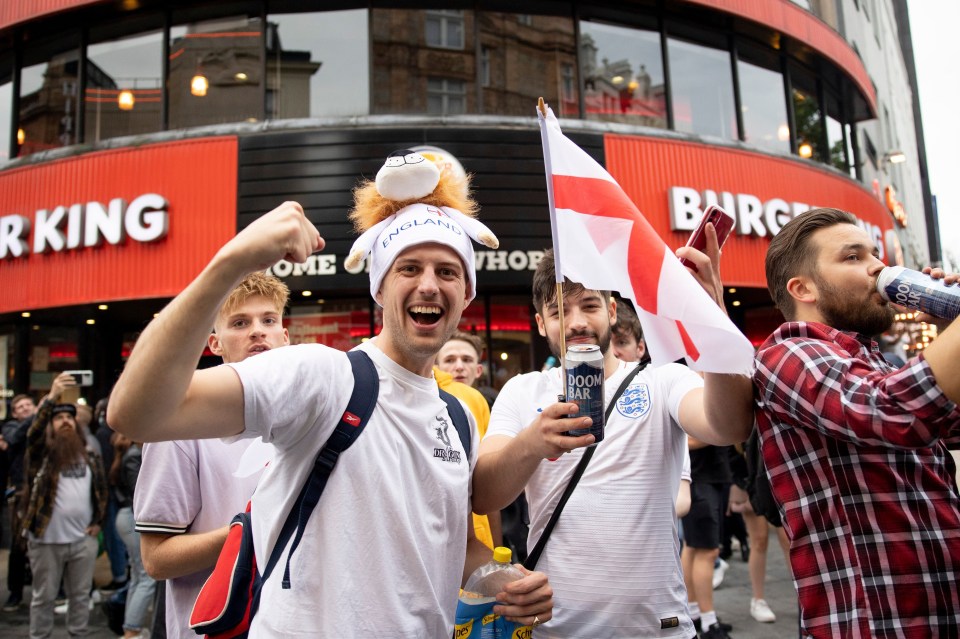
(66, 504)
(856, 450)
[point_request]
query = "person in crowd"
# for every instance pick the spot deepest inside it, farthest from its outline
(189, 490)
(702, 527)
(624, 504)
(66, 503)
(393, 528)
(113, 544)
(84, 422)
(23, 410)
(462, 357)
(627, 340)
(856, 450)
(123, 475)
(486, 527)
(750, 497)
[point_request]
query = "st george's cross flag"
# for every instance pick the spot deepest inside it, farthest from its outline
(602, 241)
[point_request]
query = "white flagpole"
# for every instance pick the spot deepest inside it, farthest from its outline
(548, 170)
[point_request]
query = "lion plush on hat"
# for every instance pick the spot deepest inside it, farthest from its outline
(412, 201)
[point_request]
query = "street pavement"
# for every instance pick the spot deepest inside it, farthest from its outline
(732, 600)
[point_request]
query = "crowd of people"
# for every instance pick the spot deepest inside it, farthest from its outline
(843, 455)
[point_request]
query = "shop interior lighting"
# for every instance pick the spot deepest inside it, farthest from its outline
(91, 322)
(735, 303)
(805, 150)
(731, 290)
(125, 100)
(25, 314)
(103, 307)
(504, 356)
(199, 85)
(21, 137)
(307, 293)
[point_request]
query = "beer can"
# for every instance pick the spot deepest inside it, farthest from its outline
(583, 367)
(919, 291)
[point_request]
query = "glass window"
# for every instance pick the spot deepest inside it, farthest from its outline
(48, 102)
(622, 71)
(763, 107)
(124, 87)
(402, 62)
(318, 64)
(446, 96)
(215, 72)
(809, 125)
(509, 351)
(528, 59)
(339, 324)
(702, 90)
(6, 104)
(444, 28)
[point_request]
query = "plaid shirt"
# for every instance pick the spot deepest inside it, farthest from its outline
(43, 483)
(857, 458)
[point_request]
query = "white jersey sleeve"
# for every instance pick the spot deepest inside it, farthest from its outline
(167, 498)
(290, 390)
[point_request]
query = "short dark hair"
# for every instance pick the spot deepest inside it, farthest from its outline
(471, 339)
(627, 321)
(545, 283)
(790, 254)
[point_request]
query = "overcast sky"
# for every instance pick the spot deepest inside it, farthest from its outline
(933, 24)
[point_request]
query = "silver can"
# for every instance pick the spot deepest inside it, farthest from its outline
(919, 291)
(583, 368)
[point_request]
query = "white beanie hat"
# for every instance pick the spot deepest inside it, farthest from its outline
(406, 174)
(420, 224)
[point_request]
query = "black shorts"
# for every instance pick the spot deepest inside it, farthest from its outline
(701, 526)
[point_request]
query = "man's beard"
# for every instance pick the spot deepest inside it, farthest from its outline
(603, 341)
(65, 448)
(840, 312)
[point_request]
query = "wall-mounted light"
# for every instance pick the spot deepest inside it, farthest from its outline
(125, 100)
(199, 85)
(894, 157)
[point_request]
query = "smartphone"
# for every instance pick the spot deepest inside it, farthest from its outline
(722, 221)
(83, 378)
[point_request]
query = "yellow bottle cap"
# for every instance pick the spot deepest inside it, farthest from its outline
(501, 554)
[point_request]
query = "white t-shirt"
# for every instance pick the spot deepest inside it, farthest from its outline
(383, 553)
(613, 557)
(72, 507)
(194, 486)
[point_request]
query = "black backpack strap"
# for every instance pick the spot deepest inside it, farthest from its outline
(534, 555)
(366, 389)
(460, 421)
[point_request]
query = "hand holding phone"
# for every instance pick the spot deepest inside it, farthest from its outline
(82, 378)
(723, 224)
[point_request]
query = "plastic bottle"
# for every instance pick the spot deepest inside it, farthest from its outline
(489, 579)
(918, 291)
(475, 618)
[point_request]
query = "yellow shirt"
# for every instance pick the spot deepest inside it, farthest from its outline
(477, 404)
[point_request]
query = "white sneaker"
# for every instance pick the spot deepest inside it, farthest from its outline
(760, 611)
(60, 609)
(718, 572)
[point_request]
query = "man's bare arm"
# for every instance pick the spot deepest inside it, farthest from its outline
(171, 556)
(505, 464)
(161, 395)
